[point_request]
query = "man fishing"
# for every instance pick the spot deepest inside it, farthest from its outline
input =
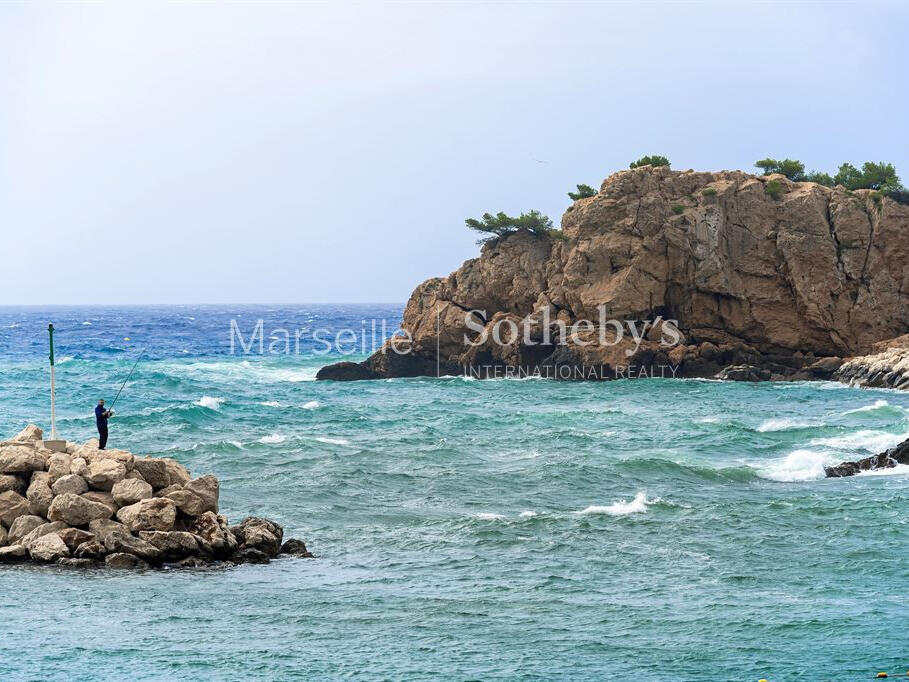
(101, 417)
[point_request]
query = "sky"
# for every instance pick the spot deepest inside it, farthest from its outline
(307, 152)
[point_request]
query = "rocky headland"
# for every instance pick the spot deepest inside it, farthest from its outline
(790, 280)
(86, 507)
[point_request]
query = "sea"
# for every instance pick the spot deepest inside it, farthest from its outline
(505, 529)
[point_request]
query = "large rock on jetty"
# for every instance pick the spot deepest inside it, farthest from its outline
(783, 279)
(89, 507)
(885, 460)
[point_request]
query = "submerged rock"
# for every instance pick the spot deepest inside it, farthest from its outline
(163, 515)
(885, 460)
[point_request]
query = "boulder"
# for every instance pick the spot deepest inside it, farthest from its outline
(213, 534)
(76, 510)
(77, 563)
(73, 537)
(39, 494)
(187, 502)
(4, 536)
(30, 434)
(250, 555)
(70, 483)
(16, 459)
(58, 464)
(92, 549)
(48, 548)
(258, 533)
(102, 528)
(41, 531)
(296, 548)
(743, 373)
(79, 466)
(131, 490)
(124, 560)
(12, 553)
(12, 506)
(207, 489)
(176, 472)
(102, 498)
(153, 470)
(122, 541)
(173, 545)
(157, 513)
(12, 482)
(23, 526)
(104, 473)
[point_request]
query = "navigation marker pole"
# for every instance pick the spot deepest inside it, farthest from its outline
(54, 443)
(50, 333)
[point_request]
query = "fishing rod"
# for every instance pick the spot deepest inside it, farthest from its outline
(127, 379)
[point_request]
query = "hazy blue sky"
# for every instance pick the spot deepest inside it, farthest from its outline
(330, 152)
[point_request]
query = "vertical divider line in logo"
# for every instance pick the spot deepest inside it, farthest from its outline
(438, 342)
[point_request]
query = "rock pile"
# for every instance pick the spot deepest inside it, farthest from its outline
(88, 507)
(887, 366)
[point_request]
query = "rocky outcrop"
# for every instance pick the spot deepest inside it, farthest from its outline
(89, 507)
(887, 366)
(778, 282)
(885, 460)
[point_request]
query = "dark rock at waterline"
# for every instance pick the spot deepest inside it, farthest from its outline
(296, 548)
(346, 371)
(743, 373)
(885, 460)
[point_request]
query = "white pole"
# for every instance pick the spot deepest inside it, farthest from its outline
(53, 408)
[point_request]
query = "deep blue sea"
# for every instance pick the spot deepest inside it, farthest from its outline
(465, 530)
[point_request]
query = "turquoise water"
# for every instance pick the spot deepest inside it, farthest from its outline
(507, 529)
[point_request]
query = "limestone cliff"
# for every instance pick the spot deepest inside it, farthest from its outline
(776, 281)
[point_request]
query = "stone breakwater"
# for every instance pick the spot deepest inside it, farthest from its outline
(86, 507)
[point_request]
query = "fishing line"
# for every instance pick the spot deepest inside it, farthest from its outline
(127, 378)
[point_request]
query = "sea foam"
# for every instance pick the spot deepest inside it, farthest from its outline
(210, 402)
(622, 508)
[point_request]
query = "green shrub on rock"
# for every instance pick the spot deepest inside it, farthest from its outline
(655, 160)
(584, 192)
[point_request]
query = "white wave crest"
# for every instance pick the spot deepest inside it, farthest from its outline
(311, 405)
(86, 324)
(483, 516)
(527, 514)
(870, 441)
(798, 465)
(210, 402)
(782, 424)
(271, 403)
(878, 404)
(622, 508)
(272, 439)
(333, 441)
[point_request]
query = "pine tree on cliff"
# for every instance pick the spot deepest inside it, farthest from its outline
(501, 224)
(655, 160)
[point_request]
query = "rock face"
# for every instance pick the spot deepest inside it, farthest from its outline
(163, 515)
(774, 282)
(885, 460)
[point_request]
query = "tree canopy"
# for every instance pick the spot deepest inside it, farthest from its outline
(878, 176)
(584, 191)
(655, 160)
(501, 224)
